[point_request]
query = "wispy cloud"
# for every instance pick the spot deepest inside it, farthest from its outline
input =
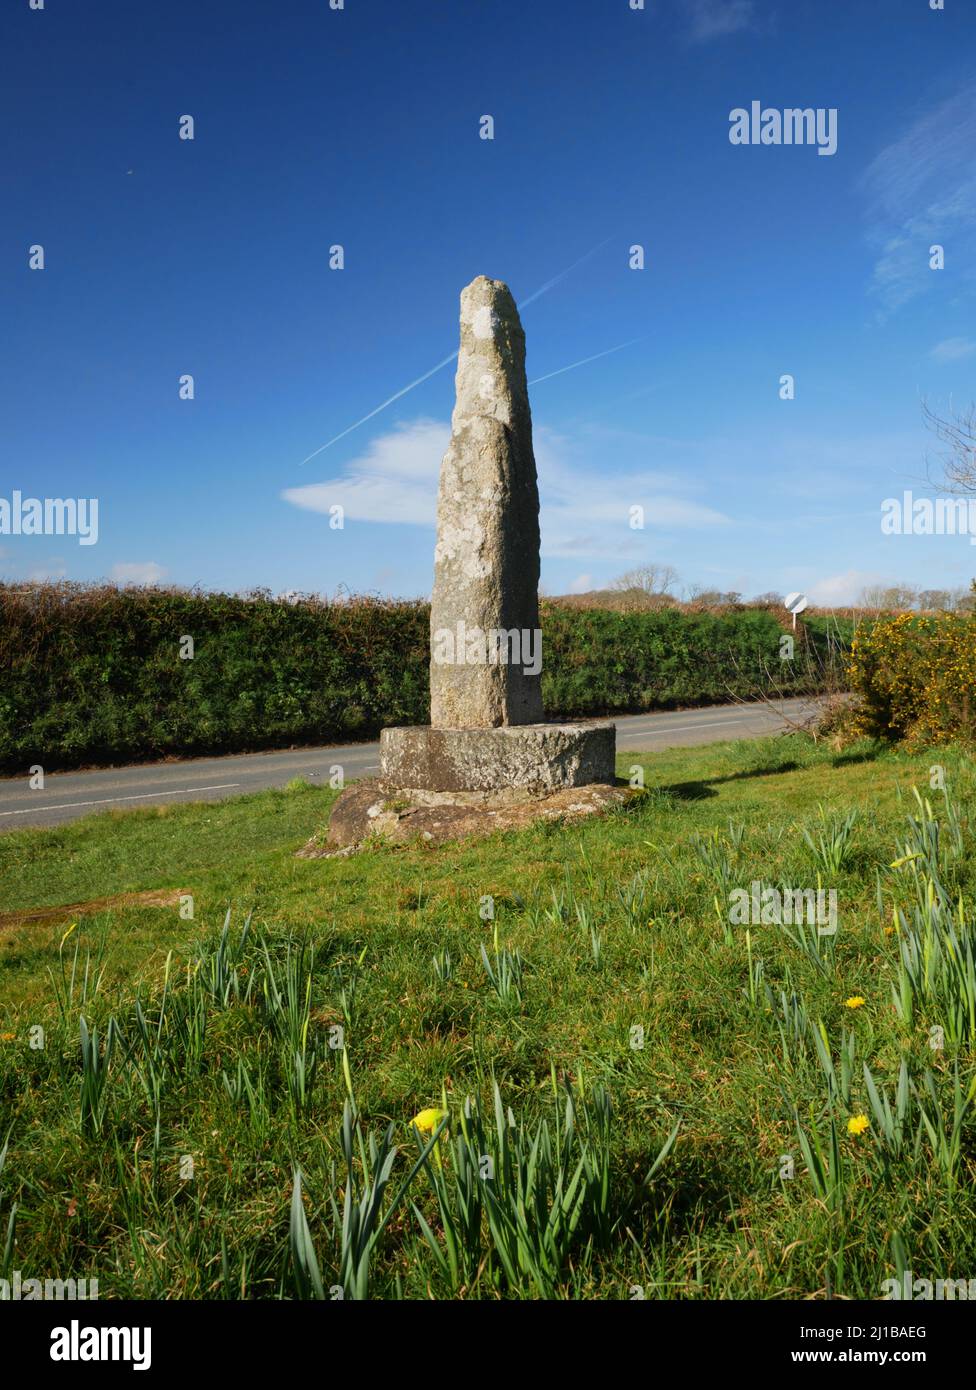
(145, 572)
(922, 192)
(953, 349)
(714, 19)
(582, 513)
(395, 480)
(585, 512)
(835, 590)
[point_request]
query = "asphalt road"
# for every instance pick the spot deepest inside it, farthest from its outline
(68, 795)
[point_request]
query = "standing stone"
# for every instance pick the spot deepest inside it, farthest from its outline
(487, 757)
(486, 561)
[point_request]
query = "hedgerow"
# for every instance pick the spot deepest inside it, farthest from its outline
(97, 673)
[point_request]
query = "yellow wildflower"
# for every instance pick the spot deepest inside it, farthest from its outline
(428, 1120)
(857, 1124)
(855, 1001)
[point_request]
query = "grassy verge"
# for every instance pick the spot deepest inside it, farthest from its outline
(625, 1089)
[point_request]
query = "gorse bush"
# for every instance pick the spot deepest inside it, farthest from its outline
(98, 673)
(916, 677)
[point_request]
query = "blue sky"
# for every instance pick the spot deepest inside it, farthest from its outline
(360, 127)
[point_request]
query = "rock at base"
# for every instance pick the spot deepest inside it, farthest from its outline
(369, 811)
(538, 758)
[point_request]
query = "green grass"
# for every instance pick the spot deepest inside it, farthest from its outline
(233, 1117)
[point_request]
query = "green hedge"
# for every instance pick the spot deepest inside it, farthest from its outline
(600, 662)
(93, 674)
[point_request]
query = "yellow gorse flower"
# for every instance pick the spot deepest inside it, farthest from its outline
(857, 1124)
(917, 676)
(855, 1001)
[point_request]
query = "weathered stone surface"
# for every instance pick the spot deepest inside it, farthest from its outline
(486, 561)
(368, 812)
(488, 761)
(527, 757)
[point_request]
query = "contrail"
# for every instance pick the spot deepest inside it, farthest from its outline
(440, 365)
(583, 361)
(383, 406)
(563, 273)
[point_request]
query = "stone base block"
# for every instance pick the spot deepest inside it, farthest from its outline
(538, 758)
(368, 812)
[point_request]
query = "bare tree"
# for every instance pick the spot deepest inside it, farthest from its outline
(648, 586)
(957, 431)
(651, 579)
(822, 664)
(888, 598)
(902, 598)
(712, 598)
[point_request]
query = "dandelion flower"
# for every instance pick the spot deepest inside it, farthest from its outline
(857, 1124)
(855, 1001)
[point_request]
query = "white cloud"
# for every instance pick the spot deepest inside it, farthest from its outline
(922, 191)
(581, 584)
(952, 349)
(584, 509)
(838, 589)
(395, 480)
(713, 19)
(147, 572)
